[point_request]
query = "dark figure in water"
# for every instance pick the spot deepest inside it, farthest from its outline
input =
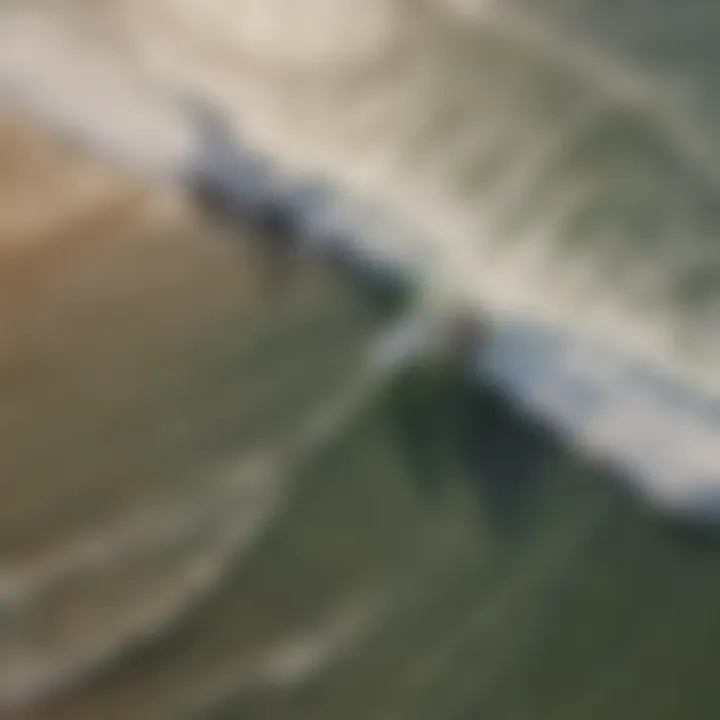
(234, 183)
(452, 427)
(239, 187)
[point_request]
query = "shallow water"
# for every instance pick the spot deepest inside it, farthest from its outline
(200, 519)
(436, 555)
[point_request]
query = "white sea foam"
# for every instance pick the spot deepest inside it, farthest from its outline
(591, 345)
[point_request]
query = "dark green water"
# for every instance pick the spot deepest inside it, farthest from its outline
(437, 556)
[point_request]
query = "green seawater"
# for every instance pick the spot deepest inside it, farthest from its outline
(438, 555)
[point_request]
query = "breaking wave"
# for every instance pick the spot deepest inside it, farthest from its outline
(568, 190)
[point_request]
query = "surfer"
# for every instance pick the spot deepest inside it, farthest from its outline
(234, 183)
(237, 185)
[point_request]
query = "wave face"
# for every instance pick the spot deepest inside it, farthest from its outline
(540, 162)
(207, 520)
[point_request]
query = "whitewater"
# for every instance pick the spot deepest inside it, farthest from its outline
(510, 156)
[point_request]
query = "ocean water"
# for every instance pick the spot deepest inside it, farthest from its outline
(214, 507)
